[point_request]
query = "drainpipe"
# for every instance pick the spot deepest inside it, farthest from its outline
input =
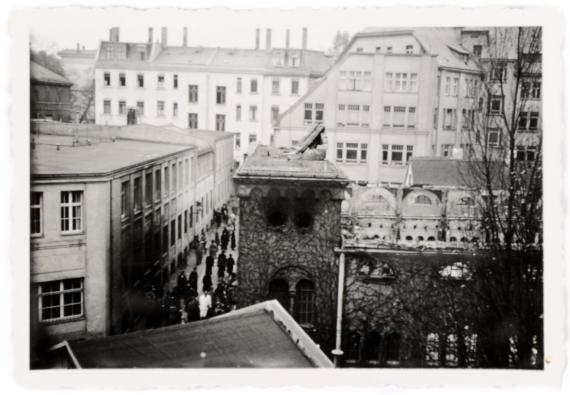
(337, 352)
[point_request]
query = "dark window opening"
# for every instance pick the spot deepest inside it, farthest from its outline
(279, 289)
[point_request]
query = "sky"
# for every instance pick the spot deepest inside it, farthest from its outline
(222, 27)
(207, 27)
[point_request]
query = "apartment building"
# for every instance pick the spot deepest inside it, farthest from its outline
(392, 95)
(225, 89)
(113, 211)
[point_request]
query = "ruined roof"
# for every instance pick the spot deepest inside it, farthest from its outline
(39, 73)
(259, 336)
(97, 159)
(307, 162)
(447, 172)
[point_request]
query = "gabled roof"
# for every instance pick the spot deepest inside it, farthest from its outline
(263, 335)
(40, 74)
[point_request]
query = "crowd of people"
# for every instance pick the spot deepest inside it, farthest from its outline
(184, 304)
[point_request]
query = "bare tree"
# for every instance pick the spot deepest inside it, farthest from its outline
(505, 173)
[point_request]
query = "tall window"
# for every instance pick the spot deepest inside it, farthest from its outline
(387, 117)
(455, 87)
(411, 117)
(107, 79)
(166, 180)
(365, 116)
(160, 81)
(175, 81)
(397, 154)
(125, 199)
(353, 115)
(193, 121)
(367, 81)
(498, 72)
(179, 226)
(192, 93)
(447, 88)
(351, 152)
(253, 113)
(137, 195)
(71, 211)
(157, 184)
(253, 86)
(36, 199)
(220, 95)
(122, 79)
(239, 85)
(477, 49)
(59, 300)
(175, 109)
(252, 138)
(140, 107)
(432, 349)
(449, 118)
(148, 188)
(274, 114)
(372, 347)
(308, 114)
(319, 111)
(140, 80)
(275, 86)
(174, 178)
(388, 82)
(238, 113)
(304, 302)
(496, 104)
(160, 108)
(385, 154)
(173, 232)
(393, 348)
(220, 122)
(294, 87)
(122, 107)
(106, 106)
(353, 347)
(187, 171)
(399, 120)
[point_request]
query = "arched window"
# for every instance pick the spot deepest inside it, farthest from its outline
(304, 302)
(451, 358)
(393, 349)
(372, 347)
(452, 238)
(432, 349)
(466, 201)
(409, 238)
(431, 238)
(353, 346)
(279, 289)
(423, 199)
(464, 239)
(420, 238)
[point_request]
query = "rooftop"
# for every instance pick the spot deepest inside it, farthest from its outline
(100, 158)
(306, 162)
(218, 59)
(82, 53)
(259, 336)
(447, 172)
(39, 73)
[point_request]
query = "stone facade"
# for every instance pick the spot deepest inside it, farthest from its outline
(410, 308)
(288, 233)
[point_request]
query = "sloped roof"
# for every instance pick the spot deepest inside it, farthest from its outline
(220, 59)
(263, 335)
(39, 73)
(82, 53)
(446, 172)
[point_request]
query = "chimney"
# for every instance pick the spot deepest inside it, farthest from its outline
(257, 34)
(150, 31)
(304, 46)
(268, 39)
(287, 34)
(114, 34)
(164, 37)
(185, 37)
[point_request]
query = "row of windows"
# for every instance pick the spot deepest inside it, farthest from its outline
(58, 300)
(401, 82)
(355, 80)
(140, 108)
(314, 112)
(408, 50)
(396, 155)
(193, 89)
(303, 299)
(252, 138)
(71, 212)
(399, 117)
(350, 152)
(470, 88)
(353, 115)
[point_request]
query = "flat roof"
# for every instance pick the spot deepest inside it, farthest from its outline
(259, 336)
(96, 159)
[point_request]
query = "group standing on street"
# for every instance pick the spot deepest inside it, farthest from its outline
(184, 304)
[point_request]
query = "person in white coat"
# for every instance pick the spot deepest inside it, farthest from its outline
(205, 302)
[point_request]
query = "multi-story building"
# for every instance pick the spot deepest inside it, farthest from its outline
(79, 67)
(113, 213)
(226, 89)
(391, 95)
(50, 95)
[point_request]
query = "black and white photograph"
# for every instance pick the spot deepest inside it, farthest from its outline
(286, 189)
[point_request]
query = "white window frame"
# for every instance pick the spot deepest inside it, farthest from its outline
(70, 205)
(61, 292)
(39, 207)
